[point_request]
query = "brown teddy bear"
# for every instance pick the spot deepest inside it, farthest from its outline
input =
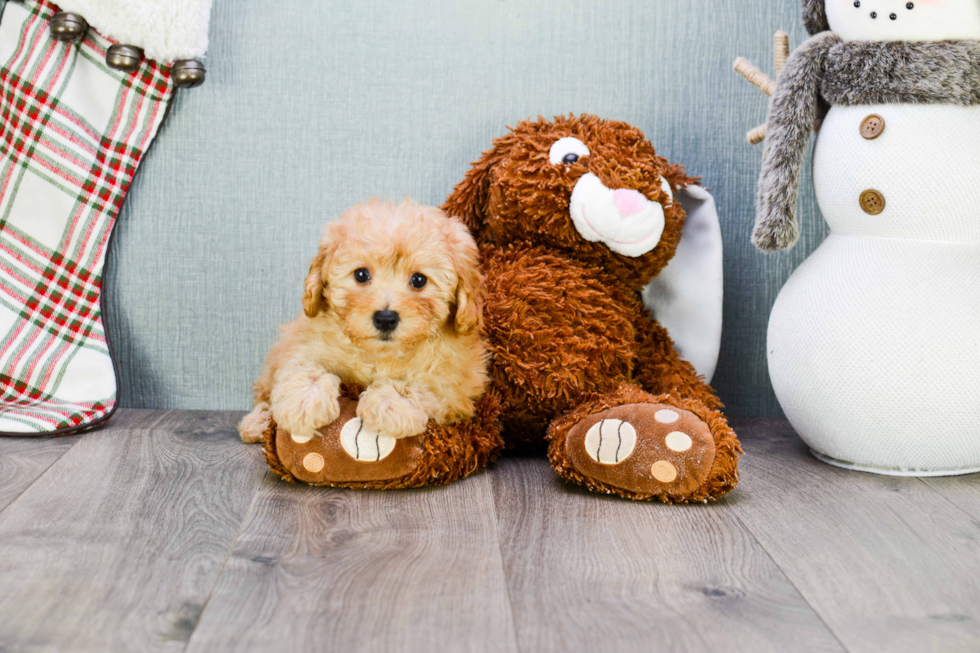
(575, 217)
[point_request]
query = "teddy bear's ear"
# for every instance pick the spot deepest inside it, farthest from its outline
(470, 197)
(687, 296)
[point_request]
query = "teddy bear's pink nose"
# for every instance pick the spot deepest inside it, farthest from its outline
(628, 202)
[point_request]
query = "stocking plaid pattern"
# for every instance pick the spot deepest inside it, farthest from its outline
(72, 134)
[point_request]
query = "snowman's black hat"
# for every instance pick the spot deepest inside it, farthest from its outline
(815, 16)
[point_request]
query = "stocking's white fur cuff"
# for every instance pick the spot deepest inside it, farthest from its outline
(167, 30)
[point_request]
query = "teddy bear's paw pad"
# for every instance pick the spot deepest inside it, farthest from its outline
(348, 452)
(643, 448)
(363, 444)
(610, 441)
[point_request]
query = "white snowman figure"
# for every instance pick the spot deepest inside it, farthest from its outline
(874, 342)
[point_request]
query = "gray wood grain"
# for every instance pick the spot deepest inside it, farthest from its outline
(888, 563)
(23, 460)
(118, 545)
(961, 491)
(161, 532)
(593, 573)
(316, 569)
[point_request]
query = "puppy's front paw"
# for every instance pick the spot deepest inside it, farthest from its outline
(385, 411)
(302, 408)
(254, 424)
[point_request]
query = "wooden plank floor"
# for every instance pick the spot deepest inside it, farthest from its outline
(162, 532)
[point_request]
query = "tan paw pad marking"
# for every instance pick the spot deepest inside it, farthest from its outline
(301, 439)
(678, 441)
(663, 471)
(666, 416)
(313, 462)
(610, 442)
(363, 444)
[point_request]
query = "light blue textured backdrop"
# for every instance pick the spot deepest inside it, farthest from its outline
(312, 105)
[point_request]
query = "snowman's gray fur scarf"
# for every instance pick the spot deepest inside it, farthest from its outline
(847, 73)
(815, 16)
(792, 115)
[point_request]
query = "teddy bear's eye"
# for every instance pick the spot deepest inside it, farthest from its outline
(418, 281)
(362, 275)
(567, 150)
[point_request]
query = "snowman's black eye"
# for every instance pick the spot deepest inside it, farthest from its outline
(894, 16)
(362, 275)
(910, 6)
(569, 159)
(857, 3)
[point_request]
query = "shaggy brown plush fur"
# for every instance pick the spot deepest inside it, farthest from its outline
(563, 315)
(449, 453)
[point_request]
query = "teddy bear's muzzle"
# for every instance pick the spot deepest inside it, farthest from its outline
(623, 219)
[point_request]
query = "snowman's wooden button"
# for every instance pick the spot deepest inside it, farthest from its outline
(872, 126)
(872, 202)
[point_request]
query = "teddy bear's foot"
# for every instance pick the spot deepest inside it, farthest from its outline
(643, 448)
(647, 449)
(346, 452)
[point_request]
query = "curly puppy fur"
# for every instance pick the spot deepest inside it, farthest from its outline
(564, 317)
(432, 366)
(449, 452)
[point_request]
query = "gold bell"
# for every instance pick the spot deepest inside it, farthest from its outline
(66, 26)
(188, 73)
(124, 57)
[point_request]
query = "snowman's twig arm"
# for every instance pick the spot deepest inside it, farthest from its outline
(792, 115)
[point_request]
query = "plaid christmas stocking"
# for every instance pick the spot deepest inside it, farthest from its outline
(72, 134)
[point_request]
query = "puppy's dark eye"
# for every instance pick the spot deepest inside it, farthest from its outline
(569, 159)
(362, 275)
(418, 281)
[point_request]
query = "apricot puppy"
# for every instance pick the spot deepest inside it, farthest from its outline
(392, 303)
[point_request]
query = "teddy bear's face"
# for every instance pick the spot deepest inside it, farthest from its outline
(904, 20)
(592, 188)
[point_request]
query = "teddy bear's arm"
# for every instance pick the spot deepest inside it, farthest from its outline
(660, 370)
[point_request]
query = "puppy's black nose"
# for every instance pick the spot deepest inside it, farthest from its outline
(386, 321)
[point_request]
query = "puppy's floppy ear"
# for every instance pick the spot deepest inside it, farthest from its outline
(470, 197)
(469, 285)
(313, 287)
(314, 300)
